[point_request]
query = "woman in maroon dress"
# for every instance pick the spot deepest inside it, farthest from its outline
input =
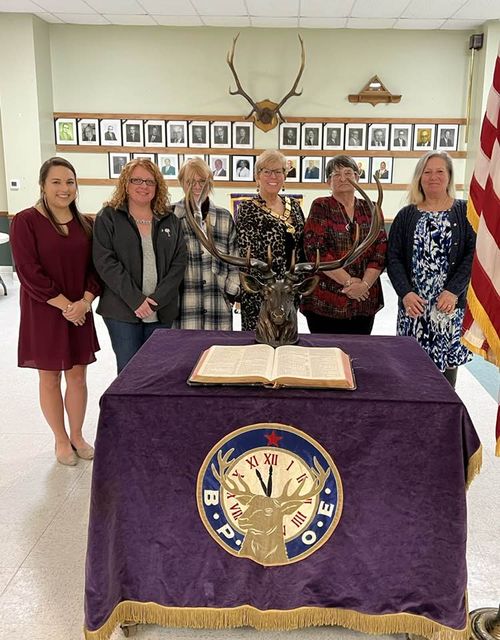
(52, 249)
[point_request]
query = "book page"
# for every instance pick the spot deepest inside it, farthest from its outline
(318, 363)
(226, 363)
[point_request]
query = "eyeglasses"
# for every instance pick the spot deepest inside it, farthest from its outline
(193, 183)
(347, 174)
(272, 172)
(139, 181)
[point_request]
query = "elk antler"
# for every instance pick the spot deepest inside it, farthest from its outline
(266, 112)
(293, 91)
(356, 249)
(226, 483)
(319, 476)
(239, 91)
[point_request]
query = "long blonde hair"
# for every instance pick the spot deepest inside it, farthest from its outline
(416, 194)
(161, 201)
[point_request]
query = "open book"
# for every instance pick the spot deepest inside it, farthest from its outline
(288, 366)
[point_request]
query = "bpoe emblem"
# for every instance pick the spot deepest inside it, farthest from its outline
(269, 492)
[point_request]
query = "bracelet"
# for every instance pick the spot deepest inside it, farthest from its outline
(367, 285)
(89, 305)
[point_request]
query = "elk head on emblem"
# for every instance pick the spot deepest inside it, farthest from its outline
(266, 112)
(277, 321)
(262, 519)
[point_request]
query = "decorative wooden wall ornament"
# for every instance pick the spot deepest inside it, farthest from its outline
(375, 93)
(266, 112)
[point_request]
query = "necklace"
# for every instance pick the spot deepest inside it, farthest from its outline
(282, 217)
(139, 221)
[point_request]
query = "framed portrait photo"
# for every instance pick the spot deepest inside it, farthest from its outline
(242, 168)
(363, 163)
(66, 131)
(189, 156)
(168, 163)
(177, 133)
(312, 169)
(220, 167)
(447, 137)
(111, 133)
(355, 136)
(333, 136)
(289, 135)
(292, 171)
(312, 136)
(423, 139)
(378, 137)
(116, 163)
(88, 131)
(382, 168)
(148, 156)
(132, 133)
(401, 137)
(220, 134)
(243, 135)
(155, 133)
(199, 134)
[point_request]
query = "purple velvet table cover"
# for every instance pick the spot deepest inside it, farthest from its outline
(401, 443)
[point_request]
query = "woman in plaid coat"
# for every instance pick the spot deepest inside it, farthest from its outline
(210, 286)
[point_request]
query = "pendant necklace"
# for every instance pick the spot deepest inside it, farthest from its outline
(282, 217)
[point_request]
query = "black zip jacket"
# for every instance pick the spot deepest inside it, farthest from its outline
(117, 253)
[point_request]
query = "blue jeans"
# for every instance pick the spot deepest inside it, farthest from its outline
(128, 337)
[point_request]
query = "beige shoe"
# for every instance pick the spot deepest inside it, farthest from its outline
(85, 453)
(68, 459)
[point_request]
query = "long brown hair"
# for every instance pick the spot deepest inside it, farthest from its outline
(81, 219)
(161, 201)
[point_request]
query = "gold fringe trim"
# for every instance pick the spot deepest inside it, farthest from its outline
(276, 620)
(474, 465)
(497, 450)
(472, 215)
(481, 317)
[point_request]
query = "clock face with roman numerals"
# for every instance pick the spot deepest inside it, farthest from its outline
(270, 493)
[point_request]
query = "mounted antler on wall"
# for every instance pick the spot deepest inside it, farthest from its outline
(266, 112)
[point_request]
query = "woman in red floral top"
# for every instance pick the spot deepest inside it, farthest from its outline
(345, 300)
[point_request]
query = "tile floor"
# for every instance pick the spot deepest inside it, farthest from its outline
(44, 506)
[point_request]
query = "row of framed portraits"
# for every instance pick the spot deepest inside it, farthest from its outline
(153, 133)
(240, 168)
(354, 136)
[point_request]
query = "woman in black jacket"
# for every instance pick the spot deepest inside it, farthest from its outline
(429, 260)
(140, 254)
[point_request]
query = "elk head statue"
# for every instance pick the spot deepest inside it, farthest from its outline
(266, 112)
(262, 519)
(277, 321)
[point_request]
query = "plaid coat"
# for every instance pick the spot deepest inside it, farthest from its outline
(203, 300)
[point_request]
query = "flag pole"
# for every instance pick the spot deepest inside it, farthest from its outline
(485, 624)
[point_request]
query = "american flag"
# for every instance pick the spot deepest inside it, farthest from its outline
(482, 316)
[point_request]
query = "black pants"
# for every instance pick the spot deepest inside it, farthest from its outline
(358, 325)
(451, 376)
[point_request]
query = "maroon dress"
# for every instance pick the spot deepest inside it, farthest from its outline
(49, 264)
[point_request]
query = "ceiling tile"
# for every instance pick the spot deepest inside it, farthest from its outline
(170, 8)
(431, 9)
(408, 23)
(226, 21)
(19, 6)
(64, 6)
(370, 23)
(271, 22)
(273, 8)
(82, 18)
(323, 23)
(338, 9)
(116, 6)
(221, 8)
(116, 18)
(179, 21)
(475, 9)
(377, 9)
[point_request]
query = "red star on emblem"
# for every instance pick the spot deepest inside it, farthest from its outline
(273, 439)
